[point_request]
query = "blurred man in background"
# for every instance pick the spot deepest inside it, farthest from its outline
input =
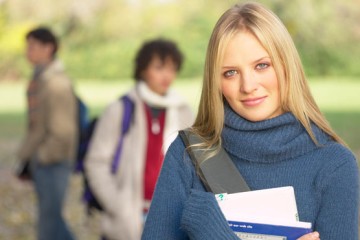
(50, 142)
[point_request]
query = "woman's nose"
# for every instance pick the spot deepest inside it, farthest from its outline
(248, 83)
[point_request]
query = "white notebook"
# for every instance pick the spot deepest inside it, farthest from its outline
(269, 214)
(274, 204)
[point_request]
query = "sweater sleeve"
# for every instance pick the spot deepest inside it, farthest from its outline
(202, 218)
(181, 209)
(339, 207)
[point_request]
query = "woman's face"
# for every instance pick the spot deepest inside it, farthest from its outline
(248, 79)
(160, 74)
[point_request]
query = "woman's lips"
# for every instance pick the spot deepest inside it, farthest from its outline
(250, 102)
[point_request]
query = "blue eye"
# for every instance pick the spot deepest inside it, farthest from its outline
(262, 66)
(230, 73)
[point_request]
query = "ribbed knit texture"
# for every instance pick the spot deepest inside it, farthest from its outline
(272, 153)
(268, 141)
(202, 215)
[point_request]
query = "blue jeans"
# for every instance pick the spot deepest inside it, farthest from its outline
(51, 182)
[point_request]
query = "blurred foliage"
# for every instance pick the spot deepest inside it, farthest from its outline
(99, 38)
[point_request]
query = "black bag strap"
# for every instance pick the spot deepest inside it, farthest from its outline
(218, 173)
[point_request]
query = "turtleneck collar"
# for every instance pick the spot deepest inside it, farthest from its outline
(267, 141)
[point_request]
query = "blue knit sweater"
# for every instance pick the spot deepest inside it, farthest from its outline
(271, 153)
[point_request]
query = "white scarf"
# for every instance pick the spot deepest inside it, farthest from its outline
(171, 101)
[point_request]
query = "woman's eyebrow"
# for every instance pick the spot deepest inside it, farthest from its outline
(260, 59)
(255, 61)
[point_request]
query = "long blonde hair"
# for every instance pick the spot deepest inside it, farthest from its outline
(295, 95)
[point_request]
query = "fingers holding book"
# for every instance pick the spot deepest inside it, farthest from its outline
(310, 236)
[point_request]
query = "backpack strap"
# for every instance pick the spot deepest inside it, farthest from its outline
(83, 115)
(127, 116)
(218, 173)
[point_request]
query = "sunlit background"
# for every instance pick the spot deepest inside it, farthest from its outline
(99, 39)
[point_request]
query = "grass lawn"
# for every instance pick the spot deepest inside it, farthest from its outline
(339, 99)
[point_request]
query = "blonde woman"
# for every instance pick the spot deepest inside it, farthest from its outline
(257, 105)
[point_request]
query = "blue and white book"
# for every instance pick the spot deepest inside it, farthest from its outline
(273, 231)
(268, 214)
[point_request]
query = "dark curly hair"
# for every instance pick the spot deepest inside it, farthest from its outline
(158, 47)
(45, 36)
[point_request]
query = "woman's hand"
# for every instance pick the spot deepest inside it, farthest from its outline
(310, 236)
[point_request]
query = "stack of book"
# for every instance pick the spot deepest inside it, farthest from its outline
(269, 214)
